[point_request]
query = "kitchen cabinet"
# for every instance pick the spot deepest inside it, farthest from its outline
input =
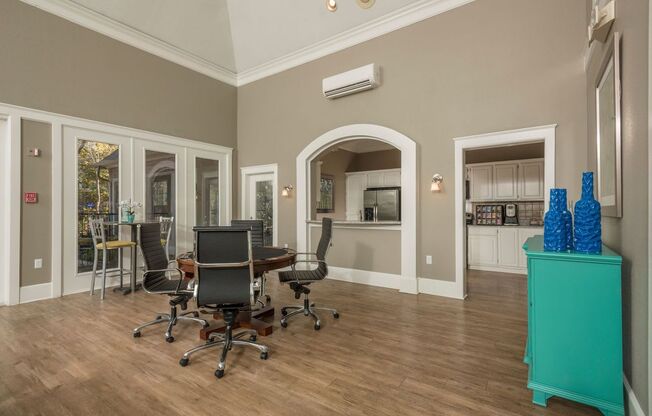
(519, 180)
(482, 182)
(499, 248)
(358, 182)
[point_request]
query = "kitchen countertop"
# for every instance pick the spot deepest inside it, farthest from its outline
(506, 226)
(358, 223)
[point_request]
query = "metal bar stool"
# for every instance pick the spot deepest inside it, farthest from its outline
(166, 233)
(99, 243)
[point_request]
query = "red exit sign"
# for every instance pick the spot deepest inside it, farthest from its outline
(31, 197)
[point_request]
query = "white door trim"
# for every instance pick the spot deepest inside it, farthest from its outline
(12, 182)
(409, 190)
(247, 171)
(649, 208)
(5, 208)
(527, 135)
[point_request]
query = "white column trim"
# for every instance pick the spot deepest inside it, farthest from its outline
(14, 208)
(57, 210)
(527, 135)
(409, 189)
(260, 170)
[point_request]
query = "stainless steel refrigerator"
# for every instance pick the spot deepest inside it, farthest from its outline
(382, 204)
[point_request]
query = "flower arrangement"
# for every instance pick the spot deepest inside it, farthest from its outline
(128, 208)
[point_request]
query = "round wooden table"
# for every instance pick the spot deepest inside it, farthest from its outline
(265, 259)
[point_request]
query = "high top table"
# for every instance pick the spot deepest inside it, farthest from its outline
(265, 259)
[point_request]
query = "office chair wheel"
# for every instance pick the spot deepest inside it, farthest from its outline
(263, 355)
(184, 362)
(317, 327)
(336, 315)
(219, 373)
(268, 298)
(252, 338)
(284, 312)
(206, 325)
(195, 314)
(284, 324)
(169, 339)
(158, 317)
(136, 334)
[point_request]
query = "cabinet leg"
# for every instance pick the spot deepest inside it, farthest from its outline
(540, 398)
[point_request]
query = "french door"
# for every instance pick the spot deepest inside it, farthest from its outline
(260, 199)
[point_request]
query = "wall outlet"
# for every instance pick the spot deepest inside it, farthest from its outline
(38, 263)
(428, 259)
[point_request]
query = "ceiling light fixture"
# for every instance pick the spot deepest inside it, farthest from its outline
(331, 5)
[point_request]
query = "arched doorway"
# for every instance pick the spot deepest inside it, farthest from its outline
(408, 150)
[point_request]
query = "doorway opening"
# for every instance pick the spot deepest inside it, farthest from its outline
(259, 198)
(502, 183)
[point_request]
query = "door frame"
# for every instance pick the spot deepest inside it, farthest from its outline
(6, 167)
(245, 173)
(224, 180)
(544, 134)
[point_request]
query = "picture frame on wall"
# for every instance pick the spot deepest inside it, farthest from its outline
(608, 132)
(326, 203)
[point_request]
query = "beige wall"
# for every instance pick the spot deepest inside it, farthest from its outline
(359, 249)
(498, 154)
(36, 222)
(52, 64)
(628, 235)
(383, 159)
(472, 70)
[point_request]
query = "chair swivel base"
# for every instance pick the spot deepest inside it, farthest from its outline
(216, 339)
(308, 309)
(171, 320)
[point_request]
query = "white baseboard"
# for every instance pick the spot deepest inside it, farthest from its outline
(515, 270)
(365, 277)
(35, 292)
(633, 405)
(439, 288)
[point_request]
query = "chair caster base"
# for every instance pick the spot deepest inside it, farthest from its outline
(184, 362)
(253, 338)
(219, 373)
(317, 327)
(264, 355)
(136, 334)
(336, 315)
(284, 324)
(169, 339)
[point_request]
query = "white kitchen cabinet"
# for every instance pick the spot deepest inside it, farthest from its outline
(531, 177)
(507, 247)
(499, 248)
(375, 179)
(392, 178)
(483, 246)
(481, 181)
(505, 181)
(356, 183)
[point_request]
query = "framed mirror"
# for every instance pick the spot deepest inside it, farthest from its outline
(607, 115)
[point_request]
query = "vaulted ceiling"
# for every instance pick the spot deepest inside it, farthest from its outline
(239, 41)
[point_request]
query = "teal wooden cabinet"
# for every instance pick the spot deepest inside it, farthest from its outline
(574, 346)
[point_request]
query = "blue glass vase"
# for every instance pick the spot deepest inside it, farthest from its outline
(588, 230)
(557, 223)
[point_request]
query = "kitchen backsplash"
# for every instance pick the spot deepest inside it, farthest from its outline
(527, 211)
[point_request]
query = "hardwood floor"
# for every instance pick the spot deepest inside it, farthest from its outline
(388, 354)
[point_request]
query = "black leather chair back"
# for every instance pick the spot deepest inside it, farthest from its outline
(257, 230)
(324, 243)
(153, 253)
(220, 284)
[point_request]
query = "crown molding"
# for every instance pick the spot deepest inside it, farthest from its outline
(102, 24)
(405, 16)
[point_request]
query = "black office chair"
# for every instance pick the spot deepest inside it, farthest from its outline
(155, 280)
(300, 279)
(257, 228)
(224, 271)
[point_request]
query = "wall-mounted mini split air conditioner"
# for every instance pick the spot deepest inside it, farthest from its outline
(350, 82)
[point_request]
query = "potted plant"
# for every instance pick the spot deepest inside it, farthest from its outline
(129, 210)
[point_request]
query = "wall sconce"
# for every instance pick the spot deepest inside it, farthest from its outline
(286, 190)
(331, 5)
(435, 186)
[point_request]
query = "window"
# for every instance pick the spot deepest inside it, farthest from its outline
(327, 194)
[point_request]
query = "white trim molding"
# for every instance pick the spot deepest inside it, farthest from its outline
(35, 292)
(97, 22)
(365, 277)
(633, 406)
(405, 16)
(509, 137)
(437, 287)
(247, 171)
(409, 189)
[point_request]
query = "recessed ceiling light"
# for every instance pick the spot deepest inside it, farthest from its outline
(365, 4)
(331, 5)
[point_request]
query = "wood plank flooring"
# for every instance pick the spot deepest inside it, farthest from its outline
(388, 354)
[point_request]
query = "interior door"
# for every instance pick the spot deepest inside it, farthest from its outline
(259, 203)
(93, 186)
(207, 182)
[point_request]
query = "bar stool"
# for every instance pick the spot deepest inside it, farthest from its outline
(99, 243)
(166, 232)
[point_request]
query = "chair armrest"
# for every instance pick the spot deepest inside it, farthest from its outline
(306, 254)
(181, 274)
(306, 261)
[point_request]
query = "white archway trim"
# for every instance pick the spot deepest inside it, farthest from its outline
(520, 136)
(409, 188)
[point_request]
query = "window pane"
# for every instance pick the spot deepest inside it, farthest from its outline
(265, 209)
(160, 191)
(208, 191)
(97, 196)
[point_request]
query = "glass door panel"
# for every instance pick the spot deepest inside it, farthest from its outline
(207, 191)
(261, 203)
(160, 190)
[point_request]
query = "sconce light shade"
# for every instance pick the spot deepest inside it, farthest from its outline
(286, 190)
(435, 186)
(331, 5)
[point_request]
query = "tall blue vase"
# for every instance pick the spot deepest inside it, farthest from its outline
(588, 230)
(557, 223)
